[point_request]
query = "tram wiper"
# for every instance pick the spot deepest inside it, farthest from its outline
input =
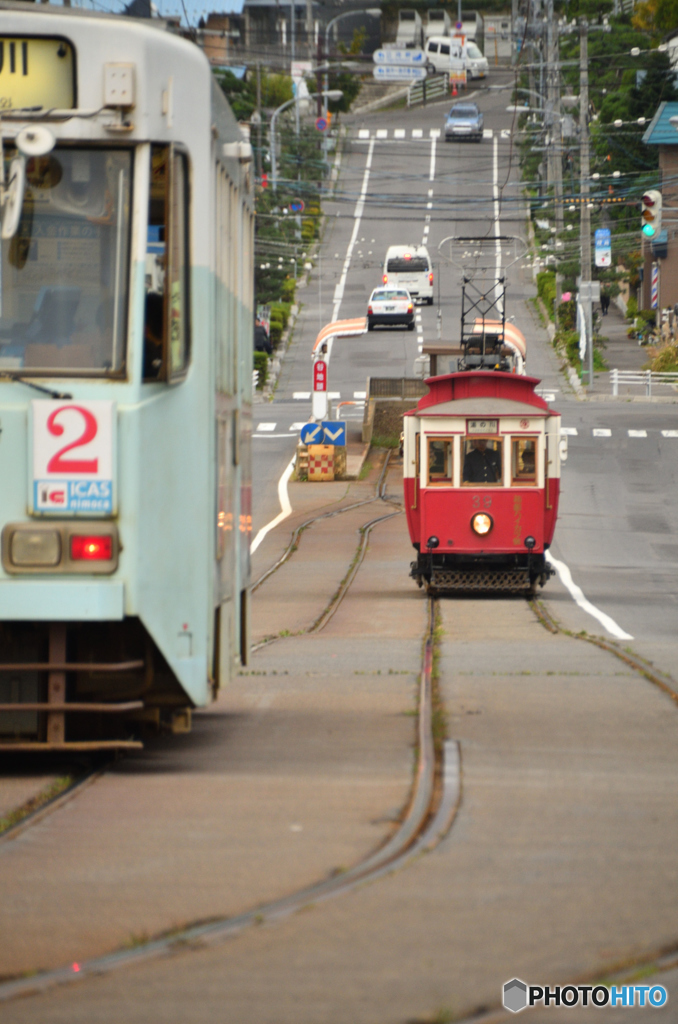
(38, 387)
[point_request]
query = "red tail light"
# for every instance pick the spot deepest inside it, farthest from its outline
(369, 311)
(410, 308)
(385, 279)
(91, 549)
(430, 278)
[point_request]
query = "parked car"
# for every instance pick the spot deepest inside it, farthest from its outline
(464, 121)
(446, 53)
(390, 306)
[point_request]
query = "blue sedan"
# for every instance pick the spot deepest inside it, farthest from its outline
(464, 121)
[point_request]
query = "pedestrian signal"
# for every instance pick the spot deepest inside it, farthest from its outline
(651, 215)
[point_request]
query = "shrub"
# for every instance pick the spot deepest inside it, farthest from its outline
(546, 289)
(261, 364)
(289, 288)
(567, 315)
(280, 311)
(632, 309)
(665, 359)
(276, 332)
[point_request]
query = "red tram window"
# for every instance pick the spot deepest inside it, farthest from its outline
(524, 462)
(440, 462)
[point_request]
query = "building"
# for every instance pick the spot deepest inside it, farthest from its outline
(662, 255)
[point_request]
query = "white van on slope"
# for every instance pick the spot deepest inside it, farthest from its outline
(410, 267)
(446, 53)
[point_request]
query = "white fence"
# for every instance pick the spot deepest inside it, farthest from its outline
(645, 378)
(434, 87)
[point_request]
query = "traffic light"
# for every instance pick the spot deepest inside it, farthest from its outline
(264, 180)
(651, 215)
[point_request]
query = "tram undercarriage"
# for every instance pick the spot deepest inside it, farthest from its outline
(513, 574)
(85, 686)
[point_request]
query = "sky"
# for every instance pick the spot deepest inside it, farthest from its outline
(188, 10)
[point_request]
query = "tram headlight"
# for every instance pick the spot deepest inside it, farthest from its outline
(482, 523)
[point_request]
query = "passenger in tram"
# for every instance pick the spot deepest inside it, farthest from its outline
(482, 465)
(153, 334)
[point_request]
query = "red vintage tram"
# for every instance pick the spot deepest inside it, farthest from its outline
(482, 455)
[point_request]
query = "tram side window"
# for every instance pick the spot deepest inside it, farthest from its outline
(524, 462)
(439, 462)
(166, 325)
(482, 461)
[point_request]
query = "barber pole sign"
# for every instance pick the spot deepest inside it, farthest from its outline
(654, 286)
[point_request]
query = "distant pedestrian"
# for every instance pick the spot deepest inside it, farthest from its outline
(604, 302)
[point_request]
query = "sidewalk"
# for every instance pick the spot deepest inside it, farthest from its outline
(621, 353)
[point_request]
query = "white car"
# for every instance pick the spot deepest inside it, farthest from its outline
(390, 306)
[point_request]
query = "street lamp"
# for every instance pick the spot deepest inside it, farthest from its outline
(332, 94)
(372, 12)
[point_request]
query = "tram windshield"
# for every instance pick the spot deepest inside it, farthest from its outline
(64, 275)
(482, 461)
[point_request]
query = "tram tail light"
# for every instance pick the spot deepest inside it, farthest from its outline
(91, 548)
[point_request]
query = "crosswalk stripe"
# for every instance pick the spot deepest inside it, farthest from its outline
(601, 432)
(399, 133)
(296, 426)
(333, 394)
(669, 433)
(301, 396)
(637, 433)
(569, 431)
(417, 133)
(382, 133)
(364, 133)
(434, 133)
(267, 427)
(488, 133)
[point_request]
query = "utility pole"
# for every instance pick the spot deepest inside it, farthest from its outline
(556, 136)
(259, 152)
(585, 178)
(309, 28)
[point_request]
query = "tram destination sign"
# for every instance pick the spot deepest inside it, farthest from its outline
(36, 72)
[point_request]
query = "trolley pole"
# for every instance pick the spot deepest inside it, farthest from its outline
(556, 137)
(585, 177)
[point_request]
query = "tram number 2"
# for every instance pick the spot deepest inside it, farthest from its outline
(58, 464)
(481, 501)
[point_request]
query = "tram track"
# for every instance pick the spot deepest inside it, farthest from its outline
(429, 815)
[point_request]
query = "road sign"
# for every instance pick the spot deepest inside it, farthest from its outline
(334, 432)
(312, 433)
(320, 375)
(73, 457)
(603, 245)
(411, 58)
(321, 124)
(589, 291)
(297, 206)
(392, 73)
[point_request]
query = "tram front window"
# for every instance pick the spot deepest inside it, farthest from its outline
(64, 275)
(482, 461)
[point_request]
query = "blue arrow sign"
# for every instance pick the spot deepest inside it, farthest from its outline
(334, 432)
(409, 57)
(312, 433)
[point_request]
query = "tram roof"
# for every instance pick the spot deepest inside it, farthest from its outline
(486, 391)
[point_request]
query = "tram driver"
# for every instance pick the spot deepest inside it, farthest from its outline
(482, 465)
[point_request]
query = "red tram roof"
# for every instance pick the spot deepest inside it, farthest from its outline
(452, 387)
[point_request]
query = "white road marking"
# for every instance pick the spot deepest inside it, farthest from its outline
(268, 436)
(382, 133)
(548, 396)
(360, 206)
(429, 206)
(506, 133)
(399, 133)
(637, 433)
(432, 172)
(577, 595)
(285, 506)
(434, 133)
(488, 133)
(669, 433)
(296, 426)
(569, 431)
(301, 396)
(430, 192)
(417, 133)
(267, 427)
(427, 228)
(333, 394)
(601, 432)
(360, 394)
(364, 133)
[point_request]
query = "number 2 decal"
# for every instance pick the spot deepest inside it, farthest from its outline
(57, 464)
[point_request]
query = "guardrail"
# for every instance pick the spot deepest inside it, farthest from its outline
(434, 87)
(645, 378)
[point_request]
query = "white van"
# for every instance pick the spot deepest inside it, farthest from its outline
(447, 53)
(409, 266)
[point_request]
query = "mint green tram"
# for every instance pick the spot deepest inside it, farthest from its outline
(126, 312)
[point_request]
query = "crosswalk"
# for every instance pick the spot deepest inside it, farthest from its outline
(607, 432)
(404, 135)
